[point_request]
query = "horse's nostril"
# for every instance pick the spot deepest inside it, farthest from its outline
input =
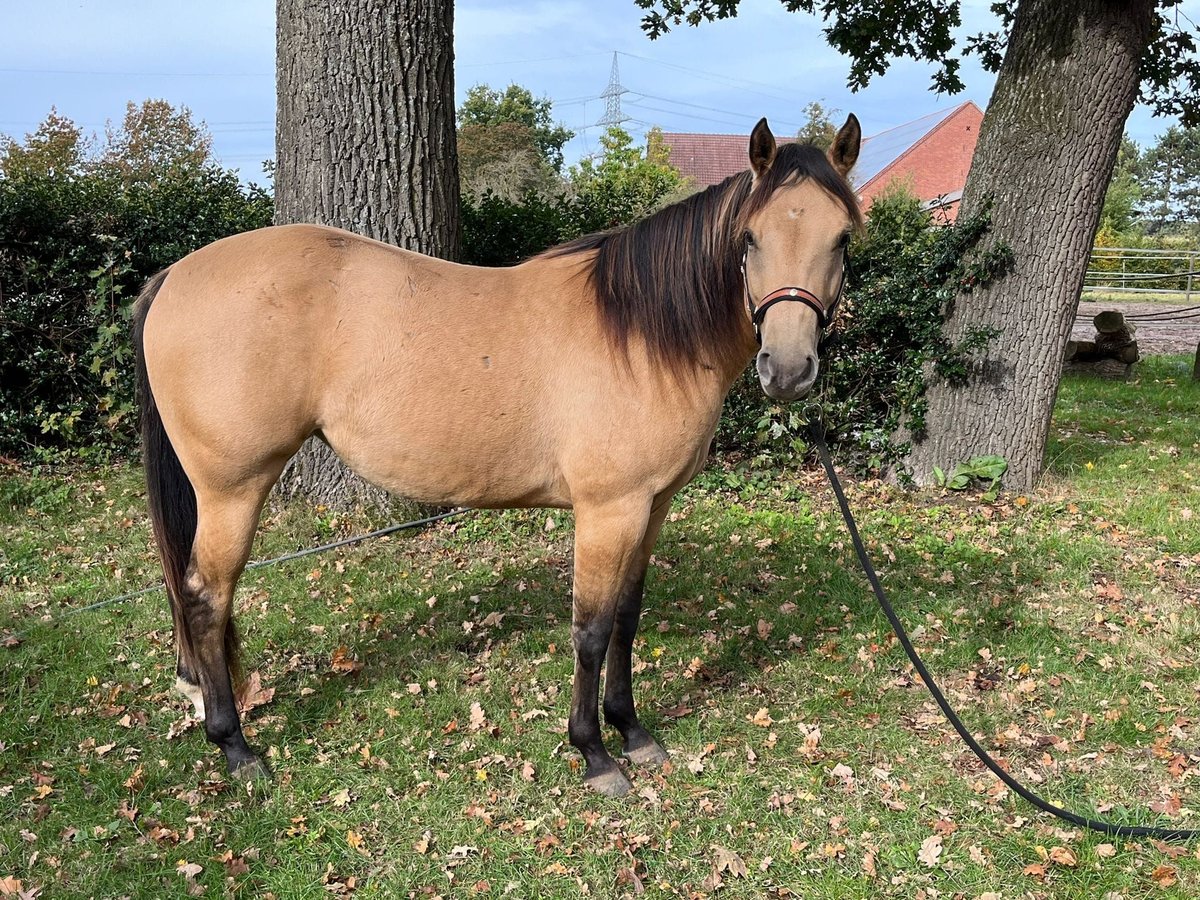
(809, 364)
(764, 364)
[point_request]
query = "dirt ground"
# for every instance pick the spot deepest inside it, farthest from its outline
(1153, 335)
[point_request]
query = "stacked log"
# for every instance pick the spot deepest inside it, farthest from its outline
(1111, 353)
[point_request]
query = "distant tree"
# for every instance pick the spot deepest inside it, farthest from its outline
(1119, 214)
(1170, 177)
(57, 147)
(503, 159)
(485, 106)
(819, 128)
(156, 142)
(626, 183)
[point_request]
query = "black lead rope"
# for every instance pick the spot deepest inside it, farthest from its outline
(817, 432)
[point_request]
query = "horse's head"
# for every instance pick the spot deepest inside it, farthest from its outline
(796, 225)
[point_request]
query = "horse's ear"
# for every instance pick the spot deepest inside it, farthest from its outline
(762, 148)
(843, 153)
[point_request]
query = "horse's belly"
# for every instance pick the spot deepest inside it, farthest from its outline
(438, 461)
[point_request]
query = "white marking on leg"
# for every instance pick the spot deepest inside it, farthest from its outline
(193, 693)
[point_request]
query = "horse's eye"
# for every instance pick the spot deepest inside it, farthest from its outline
(749, 238)
(843, 241)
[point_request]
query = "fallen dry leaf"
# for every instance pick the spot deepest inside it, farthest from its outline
(478, 717)
(1063, 857)
(727, 861)
(252, 694)
(188, 870)
(1106, 851)
(762, 718)
(1164, 876)
(931, 849)
(343, 663)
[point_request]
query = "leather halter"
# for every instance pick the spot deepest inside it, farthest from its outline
(758, 312)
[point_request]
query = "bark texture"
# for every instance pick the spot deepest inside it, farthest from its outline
(1046, 151)
(364, 141)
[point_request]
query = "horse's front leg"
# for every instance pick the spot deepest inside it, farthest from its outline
(608, 541)
(640, 747)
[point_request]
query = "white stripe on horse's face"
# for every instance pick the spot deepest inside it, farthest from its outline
(796, 243)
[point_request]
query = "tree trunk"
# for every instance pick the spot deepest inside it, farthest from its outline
(364, 141)
(1046, 151)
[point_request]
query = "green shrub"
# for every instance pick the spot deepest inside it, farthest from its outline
(75, 249)
(904, 272)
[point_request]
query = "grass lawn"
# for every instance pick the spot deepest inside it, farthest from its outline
(420, 686)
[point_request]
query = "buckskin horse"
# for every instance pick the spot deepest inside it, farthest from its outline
(589, 377)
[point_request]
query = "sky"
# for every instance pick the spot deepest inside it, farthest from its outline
(88, 59)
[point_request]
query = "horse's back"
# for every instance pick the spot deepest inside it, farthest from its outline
(425, 376)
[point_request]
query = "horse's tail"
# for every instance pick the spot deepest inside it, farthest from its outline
(169, 494)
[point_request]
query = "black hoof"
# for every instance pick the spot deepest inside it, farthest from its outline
(252, 771)
(611, 783)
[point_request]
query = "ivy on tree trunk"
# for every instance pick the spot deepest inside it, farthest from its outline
(364, 141)
(1046, 151)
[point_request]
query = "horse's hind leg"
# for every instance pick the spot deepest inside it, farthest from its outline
(640, 747)
(225, 525)
(608, 540)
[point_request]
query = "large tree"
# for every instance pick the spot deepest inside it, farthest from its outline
(365, 141)
(1068, 75)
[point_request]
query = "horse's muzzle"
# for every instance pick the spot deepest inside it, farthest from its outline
(787, 381)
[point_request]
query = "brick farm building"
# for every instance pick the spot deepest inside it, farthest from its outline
(932, 154)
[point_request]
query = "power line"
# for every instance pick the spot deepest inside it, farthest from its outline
(727, 112)
(713, 76)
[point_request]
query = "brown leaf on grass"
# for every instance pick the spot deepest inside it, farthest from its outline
(528, 772)
(1164, 876)
(1106, 851)
(1063, 857)
(355, 840)
(725, 860)
(422, 846)
(252, 694)
(188, 870)
(677, 712)
(10, 887)
(1169, 807)
(1035, 870)
(137, 780)
(762, 718)
(931, 849)
(868, 865)
(343, 663)
(764, 629)
(478, 717)
(630, 877)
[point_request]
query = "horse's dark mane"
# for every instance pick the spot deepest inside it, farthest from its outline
(674, 278)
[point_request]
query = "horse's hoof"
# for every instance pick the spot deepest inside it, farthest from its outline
(253, 771)
(612, 783)
(649, 755)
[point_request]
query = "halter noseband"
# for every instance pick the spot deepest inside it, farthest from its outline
(792, 295)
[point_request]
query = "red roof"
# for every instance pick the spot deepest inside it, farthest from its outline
(933, 152)
(709, 159)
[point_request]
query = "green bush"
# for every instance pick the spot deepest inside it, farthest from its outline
(75, 249)
(903, 274)
(500, 232)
